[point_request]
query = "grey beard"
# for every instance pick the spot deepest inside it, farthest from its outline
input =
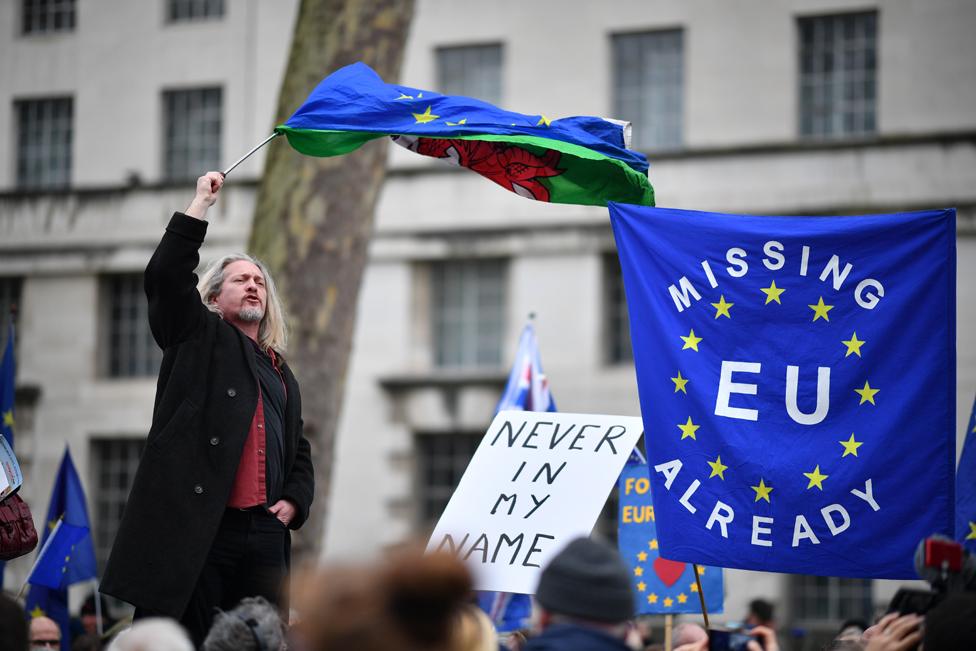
(250, 314)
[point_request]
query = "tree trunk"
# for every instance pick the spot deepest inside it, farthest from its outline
(314, 219)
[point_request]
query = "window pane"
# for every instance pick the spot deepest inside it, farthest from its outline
(617, 325)
(648, 79)
(130, 350)
(468, 302)
(441, 460)
(47, 16)
(10, 288)
(192, 132)
(838, 71)
(180, 10)
(44, 130)
(474, 71)
(114, 463)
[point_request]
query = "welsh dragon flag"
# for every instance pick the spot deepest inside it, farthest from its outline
(576, 160)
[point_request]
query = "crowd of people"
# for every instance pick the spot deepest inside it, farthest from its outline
(418, 602)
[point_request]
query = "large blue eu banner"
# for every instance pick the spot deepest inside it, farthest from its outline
(797, 384)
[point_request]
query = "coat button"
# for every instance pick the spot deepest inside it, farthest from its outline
(214, 441)
(231, 392)
(198, 489)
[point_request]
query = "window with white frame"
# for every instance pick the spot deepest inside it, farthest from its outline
(128, 346)
(616, 317)
(186, 10)
(192, 132)
(113, 467)
(47, 16)
(441, 460)
(648, 86)
(468, 312)
(44, 133)
(471, 70)
(838, 75)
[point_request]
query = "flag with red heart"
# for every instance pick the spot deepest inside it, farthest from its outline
(660, 585)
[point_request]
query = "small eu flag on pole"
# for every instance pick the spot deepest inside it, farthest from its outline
(966, 488)
(527, 389)
(797, 385)
(67, 554)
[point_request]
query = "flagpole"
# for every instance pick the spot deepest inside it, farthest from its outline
(40, 555)
(668, 623)
(701, 594)
(98, 609)
(248, 154)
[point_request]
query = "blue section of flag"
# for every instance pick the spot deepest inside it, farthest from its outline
(355, 98)
(76, 558)
(797, 384)
(527, 389)
(966, 488)
(8, 372)
(660, 586)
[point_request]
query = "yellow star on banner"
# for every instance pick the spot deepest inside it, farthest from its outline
(867, 393)
(653, 544)
(853, 345)
(680, 384)
(425, 117)
(820, 310)
(642, 556)
(8, 418)
(638, 571)
(772, 293)
(722, 308)
(691, 341)
(682, 598)
(51, 524)
(37, 612)
(718, 468)
(762, 491)
(850, 446)
(816, 479)
(542, 120)
(668, 602)
(688, 429)
(972, 531)
(693, 587)
(641, 587)
(405, 96)
(458, 123)
(652, 598)
(701, 570)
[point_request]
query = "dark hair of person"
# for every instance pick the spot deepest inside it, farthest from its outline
(761, 609)
(13, 625)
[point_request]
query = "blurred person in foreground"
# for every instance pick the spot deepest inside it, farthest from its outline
(760, 614)
(585, 601)
(226, 472)
(765, 641)
(688, 633)
(254, 625)
(409, 602)
(13, 625)
(152, 634)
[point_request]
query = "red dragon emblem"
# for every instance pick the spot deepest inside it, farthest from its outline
(514, 168)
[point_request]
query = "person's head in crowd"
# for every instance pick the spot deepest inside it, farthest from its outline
(586, 585)
(152, 634)
(13, 625)
(851, 629)
(687, 633)
(951, 625)
(760, 613)
(473, 631)
(45, 634)
(89, 615)
(254, 625)
(409, 602)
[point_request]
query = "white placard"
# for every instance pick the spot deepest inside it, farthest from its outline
(537, 480)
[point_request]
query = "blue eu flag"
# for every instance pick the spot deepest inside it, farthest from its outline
(527, 389)
(797, 384)
(966, 488)
(67, 555)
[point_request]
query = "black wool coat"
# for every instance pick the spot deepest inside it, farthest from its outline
(205, 400)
